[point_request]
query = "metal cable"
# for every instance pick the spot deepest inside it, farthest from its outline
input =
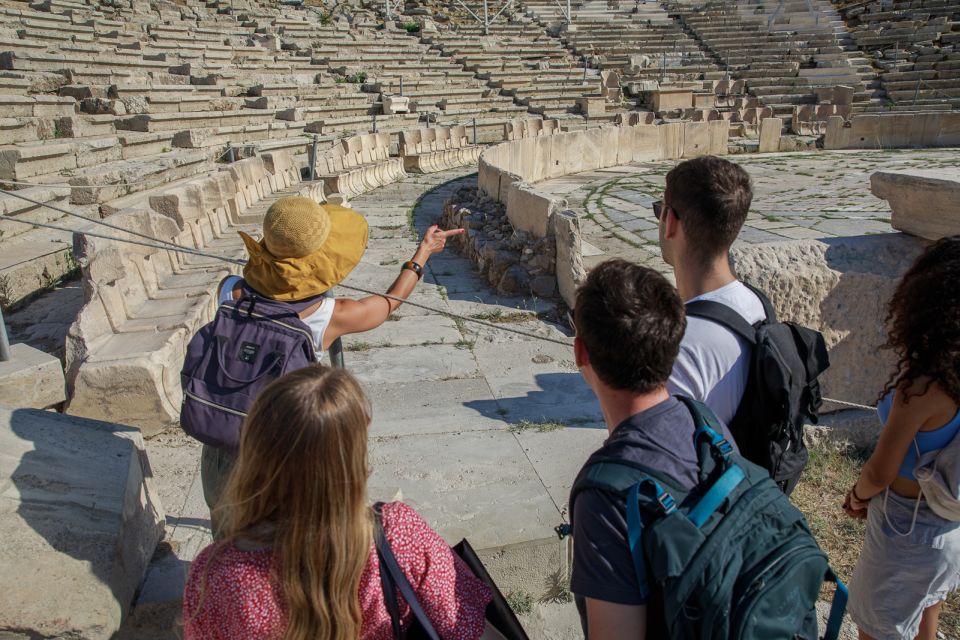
(170, 246)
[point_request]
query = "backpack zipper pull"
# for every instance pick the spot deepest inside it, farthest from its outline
(563, 530)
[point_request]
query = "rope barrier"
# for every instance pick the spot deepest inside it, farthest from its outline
(155, 243)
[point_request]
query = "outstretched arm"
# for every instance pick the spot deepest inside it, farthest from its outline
(355, 316)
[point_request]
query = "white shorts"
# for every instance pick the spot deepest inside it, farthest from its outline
(897, 576)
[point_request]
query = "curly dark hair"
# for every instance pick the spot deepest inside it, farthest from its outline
(924, 321)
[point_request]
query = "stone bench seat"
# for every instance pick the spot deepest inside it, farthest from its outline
(359, 164)
(950, 83)
(949, 94)
(31, 257)
(437, 149)
(285, 89)
(10, 61)
(237, 135)
(187, 120)
(355, 124)
(557, 89)
(480, 111)
(329, 111)
(104, 183)
(32, 160)
(282, 103)
(12, 105)
(142, 305)
(150, 91)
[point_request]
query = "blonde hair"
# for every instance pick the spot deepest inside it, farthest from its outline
(299, 486)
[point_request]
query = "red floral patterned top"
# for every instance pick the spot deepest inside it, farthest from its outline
(241, 599)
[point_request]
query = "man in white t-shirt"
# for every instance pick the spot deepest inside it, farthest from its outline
(704, 205)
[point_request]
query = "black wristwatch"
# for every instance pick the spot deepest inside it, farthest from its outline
(413, 266)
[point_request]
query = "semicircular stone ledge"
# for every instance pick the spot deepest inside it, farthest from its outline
(508, 173)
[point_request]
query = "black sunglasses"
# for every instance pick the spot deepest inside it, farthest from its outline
(659, 208)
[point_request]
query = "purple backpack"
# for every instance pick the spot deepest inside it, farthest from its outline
(249, 343)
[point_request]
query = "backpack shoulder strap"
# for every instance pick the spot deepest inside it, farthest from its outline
(724, 316)
(241, 288)
(617, 477)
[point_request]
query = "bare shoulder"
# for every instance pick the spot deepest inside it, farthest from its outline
(926, 400)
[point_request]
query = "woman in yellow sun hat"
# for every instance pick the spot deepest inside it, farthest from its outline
(306, 250)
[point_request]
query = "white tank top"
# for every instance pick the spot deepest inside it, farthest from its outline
(318, 321)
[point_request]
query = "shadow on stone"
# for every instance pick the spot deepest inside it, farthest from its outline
(562, 398)
(80, 522)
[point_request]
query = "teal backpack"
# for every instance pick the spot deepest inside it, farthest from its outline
(730, 559)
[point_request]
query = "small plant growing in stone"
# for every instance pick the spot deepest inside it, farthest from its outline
(357, 78)
(520, 601)
(325, 18)
(358, 346)
(411, 27)
(539, 427)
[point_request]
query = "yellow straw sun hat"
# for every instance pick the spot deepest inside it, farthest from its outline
(306, 249)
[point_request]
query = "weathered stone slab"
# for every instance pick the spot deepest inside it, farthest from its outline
(79, 518)
(770, 129)
(31, 378)
(925, 202)
(841, 287)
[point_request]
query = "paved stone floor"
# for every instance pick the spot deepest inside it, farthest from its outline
(481, 430)
(796, 196)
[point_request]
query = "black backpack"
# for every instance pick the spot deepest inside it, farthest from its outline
(730, 559)
(782, 392)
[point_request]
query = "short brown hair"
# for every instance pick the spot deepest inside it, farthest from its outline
(630, 319)
(711, 197)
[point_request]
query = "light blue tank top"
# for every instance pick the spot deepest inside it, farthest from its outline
(926, 440)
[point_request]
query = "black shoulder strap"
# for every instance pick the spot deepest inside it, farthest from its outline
(723, 315)
(393, 578)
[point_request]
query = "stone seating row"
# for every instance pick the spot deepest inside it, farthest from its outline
(142, 305)
(358, 164)
(530, 128)
(429, 150)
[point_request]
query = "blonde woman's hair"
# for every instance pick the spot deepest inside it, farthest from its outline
(299, 486)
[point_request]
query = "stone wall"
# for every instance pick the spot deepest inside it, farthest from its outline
(893, 130)
(841, 287)
(508, 172)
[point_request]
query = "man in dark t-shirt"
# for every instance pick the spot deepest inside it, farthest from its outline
(629, 322)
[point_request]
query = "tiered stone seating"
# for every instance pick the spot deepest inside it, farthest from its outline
(141, 304)
(521, 60)
(784, 50)
(642, 42)
(916, 45)
(437, 149)
(358, 164)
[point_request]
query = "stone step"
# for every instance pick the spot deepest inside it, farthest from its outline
(186, 120)
(108, 183)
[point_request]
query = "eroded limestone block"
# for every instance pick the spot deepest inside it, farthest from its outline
(841, 287)
(565, 227)
(31, 378)
(925, 202)
(770, 129)
(80, 519)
